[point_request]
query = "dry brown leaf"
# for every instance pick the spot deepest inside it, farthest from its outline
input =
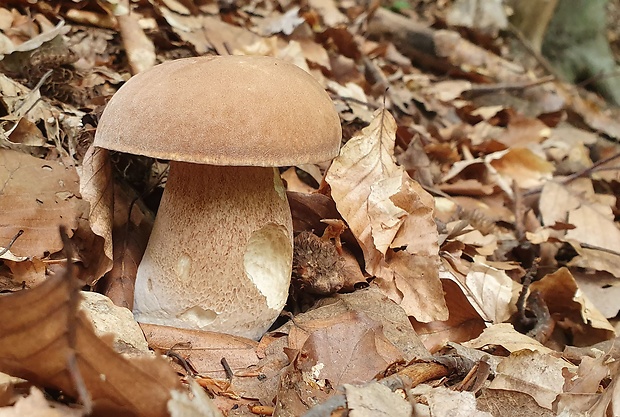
(463, 324)
(602, 289)
(203, 349)
(329, 12)
(375, 399)
(96, 187)
(387, 210)
(294, 184)
(350, 348)
(36, 41)
(208, 32)
(41, 330)
(342, 349)
(490, 291)
(504, 335)
(370, 302)
(535, 373)
(27, 273)
(130, 236)
(37, 197)
(525, 167)
(579, 316)
(351, 109)
(504, 403)
(277, 22)
(443, 401)
(500, 168)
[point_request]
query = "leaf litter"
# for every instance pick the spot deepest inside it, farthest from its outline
(480, 197)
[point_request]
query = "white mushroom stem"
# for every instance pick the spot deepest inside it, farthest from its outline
(220, 253)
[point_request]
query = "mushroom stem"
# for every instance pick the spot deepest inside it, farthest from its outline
(220, 254)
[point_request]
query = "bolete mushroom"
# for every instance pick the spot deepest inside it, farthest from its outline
(220, 253)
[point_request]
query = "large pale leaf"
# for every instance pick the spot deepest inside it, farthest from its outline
(41, 329)
(391, 216)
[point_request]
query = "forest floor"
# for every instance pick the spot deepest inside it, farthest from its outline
(472, 210)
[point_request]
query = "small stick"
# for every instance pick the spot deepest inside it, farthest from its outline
(229, 372)
(584, 172)
(5, 250)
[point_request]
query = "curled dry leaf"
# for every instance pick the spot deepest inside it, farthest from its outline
(97, 188)
(463, 324)
(392, 218)
(490, 291)
(41, 329)
(579, 316)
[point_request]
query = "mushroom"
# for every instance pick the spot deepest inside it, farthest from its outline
(220, 254)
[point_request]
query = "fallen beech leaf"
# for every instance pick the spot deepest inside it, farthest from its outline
(443, 401)
(490, 291)
(130, 237)
(579, 316)
(29, 272)
(504, 335)
(519, 164)
(96, 187)
(204, 349)
(41, 329)
(356, 109)
(463, 324)
(205, 32)
(602, 289)
(369, 302)
(37, 196)
(276, 23)
(329, 12)
(294, 183)
(348, 348)
(532, 372)
(386, 210)
(375, 399)
(504, 403)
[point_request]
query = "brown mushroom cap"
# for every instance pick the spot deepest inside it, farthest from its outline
(229, 110)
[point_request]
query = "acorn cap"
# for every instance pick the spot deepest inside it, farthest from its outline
(223, 110)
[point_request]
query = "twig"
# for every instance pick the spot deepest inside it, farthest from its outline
(229, 372)
(8, 247)
(544, 323)
(354, 100)
(521, 302)
(42, 81)
(539, 58)
(584, 172)
(478, 89)
(598, 77)
(185, 363)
